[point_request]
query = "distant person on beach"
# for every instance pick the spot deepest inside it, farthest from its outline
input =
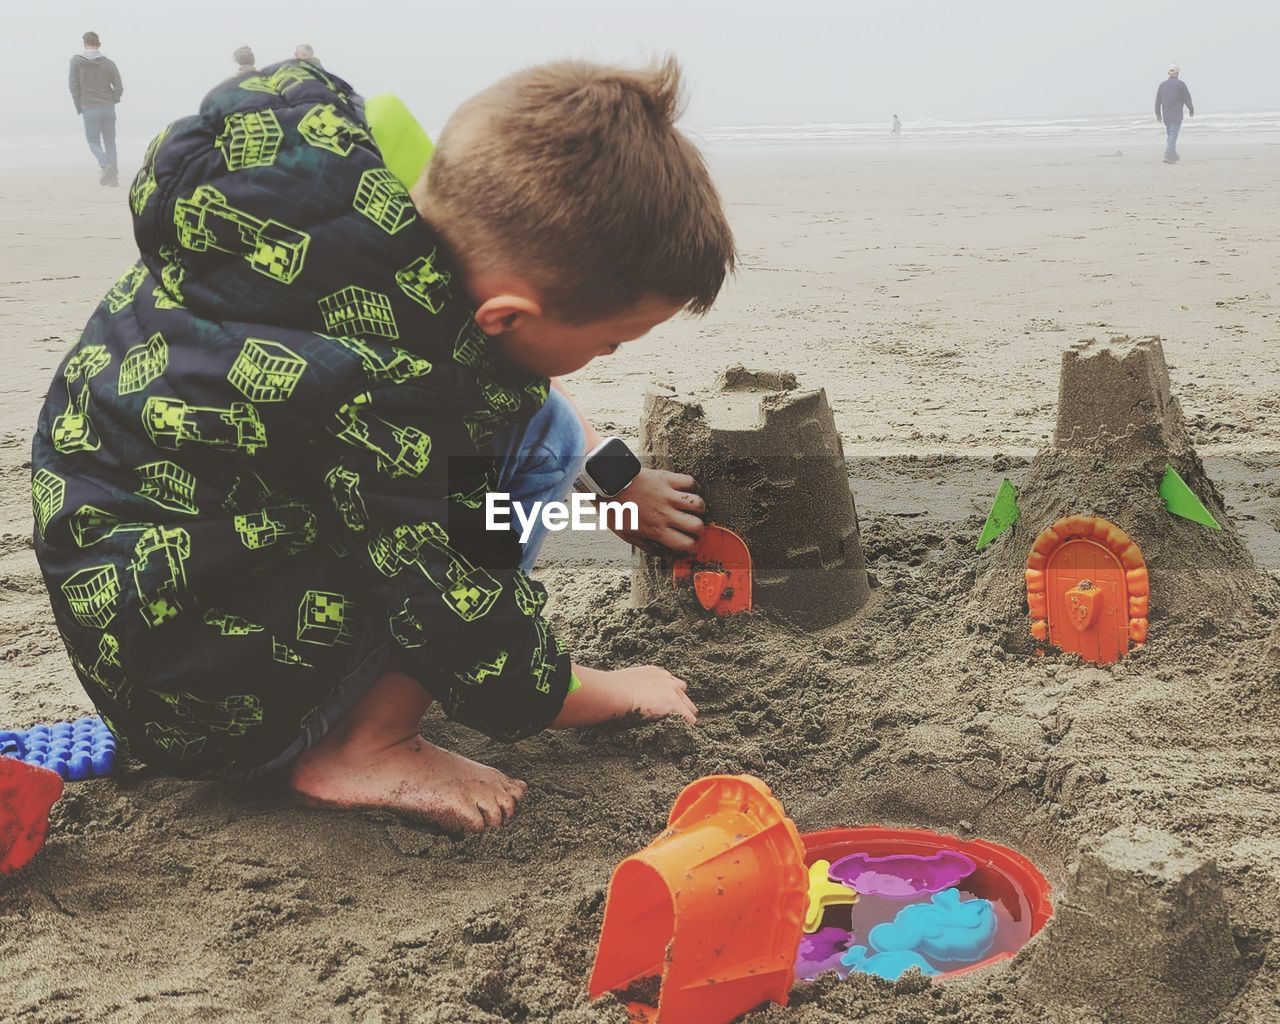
(245, 61)
(896, 130)
(304, 51)
(1172, 95)
(95, 90)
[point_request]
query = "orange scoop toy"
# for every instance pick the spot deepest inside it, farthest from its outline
(26, 794)
(714, 907)
(719, 570)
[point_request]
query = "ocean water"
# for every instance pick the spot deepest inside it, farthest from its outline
(1242, 127)
(68, 150)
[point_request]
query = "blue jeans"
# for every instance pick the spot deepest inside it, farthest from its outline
(100, 131)
(542, 460)
(1171, 129)
(539, 461)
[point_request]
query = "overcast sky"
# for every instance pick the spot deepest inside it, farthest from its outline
(747, 62)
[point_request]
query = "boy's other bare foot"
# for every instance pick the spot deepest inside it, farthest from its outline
(374, 759)
(411, 777)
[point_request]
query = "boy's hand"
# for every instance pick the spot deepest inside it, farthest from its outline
(655, 693)
(645, 690)
(667, 512)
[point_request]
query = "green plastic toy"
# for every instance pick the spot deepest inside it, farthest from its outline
(405, 147)
(1004, 513)
(1181, 500)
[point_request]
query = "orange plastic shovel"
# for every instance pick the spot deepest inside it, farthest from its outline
(714, 907)
(26, 794)
(719, 570)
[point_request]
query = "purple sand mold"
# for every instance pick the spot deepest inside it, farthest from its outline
(902, 875)
(821, 952)
(76, 750)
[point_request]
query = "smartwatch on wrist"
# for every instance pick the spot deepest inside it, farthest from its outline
(609, 467)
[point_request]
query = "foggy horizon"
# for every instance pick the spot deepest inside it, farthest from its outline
(745, 64)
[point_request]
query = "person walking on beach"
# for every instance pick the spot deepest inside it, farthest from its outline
(245, 61)
(896, 130)
(1171, 96)
(95, 90)
(304, 51)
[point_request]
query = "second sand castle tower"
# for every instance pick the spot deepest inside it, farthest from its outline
(1120, 432)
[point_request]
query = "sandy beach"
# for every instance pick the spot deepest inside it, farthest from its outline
(931, 293)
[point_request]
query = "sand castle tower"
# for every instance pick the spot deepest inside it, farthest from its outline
(769, 462)
(1142, 934)
(1119, 430)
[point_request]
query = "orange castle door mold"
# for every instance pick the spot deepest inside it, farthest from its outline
(1088, 591)
(720, 570)
(714, 907)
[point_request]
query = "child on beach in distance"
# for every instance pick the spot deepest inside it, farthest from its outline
(259, 476)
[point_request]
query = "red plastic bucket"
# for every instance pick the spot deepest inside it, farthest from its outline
(1002, 875)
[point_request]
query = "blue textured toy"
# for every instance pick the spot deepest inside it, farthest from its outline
(890, 966)
(83, 749)
(943, 929)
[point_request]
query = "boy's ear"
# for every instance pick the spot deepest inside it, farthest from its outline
(506, 312)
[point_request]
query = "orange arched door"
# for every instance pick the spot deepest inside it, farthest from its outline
(1087, 589)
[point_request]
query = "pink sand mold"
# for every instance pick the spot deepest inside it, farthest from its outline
(821, 952)
(902, 875)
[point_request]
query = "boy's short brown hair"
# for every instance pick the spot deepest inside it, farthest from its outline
(574, 176)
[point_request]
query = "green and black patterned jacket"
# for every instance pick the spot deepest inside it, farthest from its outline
(261, 470)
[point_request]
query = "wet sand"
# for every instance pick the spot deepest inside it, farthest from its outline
(931, 295)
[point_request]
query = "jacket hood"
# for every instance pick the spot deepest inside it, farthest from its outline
(89, 56)
(274, 206)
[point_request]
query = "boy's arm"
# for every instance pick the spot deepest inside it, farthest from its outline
(466, 620)
(667, 508)
(644, 690)
(73, 83)
(117, 86)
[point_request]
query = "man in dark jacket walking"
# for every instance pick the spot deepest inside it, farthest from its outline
(1172, 95)
(95, 90)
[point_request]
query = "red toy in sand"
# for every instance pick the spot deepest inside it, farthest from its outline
(26, 795)
(720, 571)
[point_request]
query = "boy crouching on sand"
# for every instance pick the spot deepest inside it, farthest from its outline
(259, 477)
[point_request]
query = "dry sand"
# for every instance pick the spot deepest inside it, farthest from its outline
(931, 295)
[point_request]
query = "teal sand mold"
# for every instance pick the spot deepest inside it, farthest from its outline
(944, 929)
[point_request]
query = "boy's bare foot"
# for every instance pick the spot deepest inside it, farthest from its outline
(374, 759)
(411, 777)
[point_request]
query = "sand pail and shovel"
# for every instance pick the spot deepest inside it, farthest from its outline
(713, 907)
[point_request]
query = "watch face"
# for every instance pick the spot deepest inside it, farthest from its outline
(613, 466)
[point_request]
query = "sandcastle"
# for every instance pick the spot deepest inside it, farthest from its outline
(770, 464)
(1119, 430)
(1142, 934)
